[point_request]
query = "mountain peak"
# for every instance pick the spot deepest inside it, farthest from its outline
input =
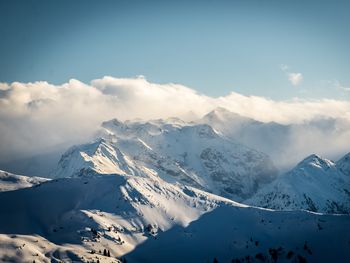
(222, 114)
(317, 161)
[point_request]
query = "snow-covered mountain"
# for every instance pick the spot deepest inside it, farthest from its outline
(194, 154)
(315, 184)
(148, 220)
(9, 181)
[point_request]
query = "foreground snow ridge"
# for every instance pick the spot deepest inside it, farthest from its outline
(147, 219)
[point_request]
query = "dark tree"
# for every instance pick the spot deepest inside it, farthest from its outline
(108, 253)
(302, 259)
(105, 252)
(260, 257)
(215, 260)
(290, 254)
(94, 231)
(274, 254)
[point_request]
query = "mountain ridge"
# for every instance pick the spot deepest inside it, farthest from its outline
(316, 184)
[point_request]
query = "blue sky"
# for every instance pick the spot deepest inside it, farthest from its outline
(250, 47)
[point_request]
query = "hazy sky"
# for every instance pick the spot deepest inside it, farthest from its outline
(277, 49)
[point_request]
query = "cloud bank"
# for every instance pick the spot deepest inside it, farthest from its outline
(36, 117)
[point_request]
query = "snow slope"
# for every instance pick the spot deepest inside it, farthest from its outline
(193, 154)
(148, 220)
(9, 181)
(315, 184)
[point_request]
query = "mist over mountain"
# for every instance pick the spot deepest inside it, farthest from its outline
(286, 144)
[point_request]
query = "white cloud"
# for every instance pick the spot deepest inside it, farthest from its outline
(37, 116)
(295, 78)
(3, 86)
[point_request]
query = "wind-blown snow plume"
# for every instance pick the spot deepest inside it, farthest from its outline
(37, 116)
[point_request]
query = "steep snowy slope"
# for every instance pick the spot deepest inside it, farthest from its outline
(315, 184)
(177, 152)
(148, 220)
(9, 181)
